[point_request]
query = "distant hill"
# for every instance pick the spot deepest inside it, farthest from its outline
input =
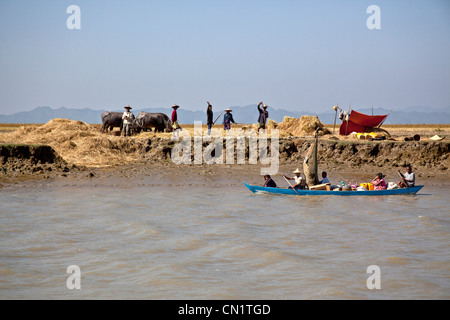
(247, 114)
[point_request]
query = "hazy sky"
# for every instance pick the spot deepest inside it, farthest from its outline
(291, 54)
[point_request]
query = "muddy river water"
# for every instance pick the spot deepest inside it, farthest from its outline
(153, 238)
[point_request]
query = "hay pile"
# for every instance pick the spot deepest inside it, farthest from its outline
(306, 125)
(77, 143)
(272, 124)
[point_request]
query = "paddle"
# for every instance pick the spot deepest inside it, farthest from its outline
(289, 183)
(217, 118)
(403, 178)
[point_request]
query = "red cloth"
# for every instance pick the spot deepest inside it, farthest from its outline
(359, 122)
(174, 116)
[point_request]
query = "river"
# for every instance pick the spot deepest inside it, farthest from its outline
(139, 239)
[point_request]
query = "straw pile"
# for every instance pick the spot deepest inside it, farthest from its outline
(306, 125)
(77, 142)
(271, 124)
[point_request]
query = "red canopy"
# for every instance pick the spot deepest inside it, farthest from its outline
(360, 122)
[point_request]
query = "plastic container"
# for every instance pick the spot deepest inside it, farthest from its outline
(370, 186)
(364, 185)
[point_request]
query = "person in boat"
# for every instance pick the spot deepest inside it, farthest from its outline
(269, 182)
(263, 116)
(408, 178)
(324, 178)
(228, 119)
(299, 184)
(378, 182)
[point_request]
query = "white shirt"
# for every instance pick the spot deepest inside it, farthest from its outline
(127, 117)
(411, 177)
(297, 179)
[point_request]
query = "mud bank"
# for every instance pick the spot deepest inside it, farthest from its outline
(427, 154)
(431, 159)
(18, 160)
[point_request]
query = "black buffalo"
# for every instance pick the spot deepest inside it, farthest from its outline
(111, 120)
(146, 120)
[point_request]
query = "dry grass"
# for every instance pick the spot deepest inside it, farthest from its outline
(83, 144)
(77, 142)
(10, 127)
(306, 125)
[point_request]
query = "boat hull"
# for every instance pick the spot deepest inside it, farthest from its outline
(259, 189)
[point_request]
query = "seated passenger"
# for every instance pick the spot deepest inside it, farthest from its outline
(378, 182)
(269, 182)
(324, 178)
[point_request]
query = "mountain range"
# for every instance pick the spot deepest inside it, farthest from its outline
(247, 114)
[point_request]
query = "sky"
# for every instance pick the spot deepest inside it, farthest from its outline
(290, 54)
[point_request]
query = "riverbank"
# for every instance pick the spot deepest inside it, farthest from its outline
(65, 148)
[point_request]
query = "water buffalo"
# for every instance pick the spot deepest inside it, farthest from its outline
(111, 120)
(146, 120)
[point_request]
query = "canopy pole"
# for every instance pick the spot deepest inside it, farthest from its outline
(346, 124)
(335, 116)
(384, 119)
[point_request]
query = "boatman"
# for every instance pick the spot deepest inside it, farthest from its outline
(127, 119)
(297, 179)
(408, 178)
(263, 116)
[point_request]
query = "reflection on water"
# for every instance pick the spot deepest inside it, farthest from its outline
(133, 239)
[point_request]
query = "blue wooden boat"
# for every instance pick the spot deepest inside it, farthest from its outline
(260, 189)
(312, 169)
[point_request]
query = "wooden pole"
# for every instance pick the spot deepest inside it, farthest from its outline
(346, 124)
(335, 116)
(217, 118)
(290, 185)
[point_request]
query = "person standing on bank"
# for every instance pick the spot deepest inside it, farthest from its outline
(176, 128)
(228, 119)
(209, 117)
(263, 116)
(174, 118)
(127, 120)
